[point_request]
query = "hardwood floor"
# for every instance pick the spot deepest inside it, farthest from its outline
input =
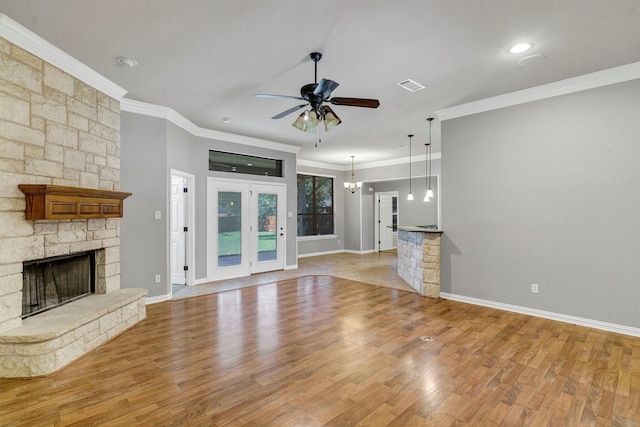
(318, 350)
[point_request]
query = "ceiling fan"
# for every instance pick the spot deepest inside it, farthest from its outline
(315, 95)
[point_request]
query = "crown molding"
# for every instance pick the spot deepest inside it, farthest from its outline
(369, 165)
(15, 33)
(169, 114)
(396, 161)
(312, 164)
(607, 77)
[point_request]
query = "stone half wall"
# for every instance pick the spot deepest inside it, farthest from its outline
(419, 261)
(55, 129)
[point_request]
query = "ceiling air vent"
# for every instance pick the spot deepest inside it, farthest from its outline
(410, 85)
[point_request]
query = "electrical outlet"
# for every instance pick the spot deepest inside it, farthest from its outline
(157, 278)
(534, 288)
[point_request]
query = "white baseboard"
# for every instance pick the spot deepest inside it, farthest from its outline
(339, 251)
(590, 323)
(291, 267)
(159, 298)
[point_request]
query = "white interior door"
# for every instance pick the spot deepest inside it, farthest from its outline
(385, 223)
(267, 228)
(178, 234)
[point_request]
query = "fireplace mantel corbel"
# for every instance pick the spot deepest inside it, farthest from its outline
(44, 201)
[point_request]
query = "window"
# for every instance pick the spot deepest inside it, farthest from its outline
(315, 205)
(394, 213)
(241, 163)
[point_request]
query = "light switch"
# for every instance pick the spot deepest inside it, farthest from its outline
(290, 214)
(157, 215)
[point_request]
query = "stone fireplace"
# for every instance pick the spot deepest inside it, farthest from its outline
(59, 131)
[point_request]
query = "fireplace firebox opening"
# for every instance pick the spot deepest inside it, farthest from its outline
(54, 281)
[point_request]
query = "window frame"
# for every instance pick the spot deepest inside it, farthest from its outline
(313, 214)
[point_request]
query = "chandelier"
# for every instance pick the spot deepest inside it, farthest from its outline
(352, 185)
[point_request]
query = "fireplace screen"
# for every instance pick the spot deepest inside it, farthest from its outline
(50, 282)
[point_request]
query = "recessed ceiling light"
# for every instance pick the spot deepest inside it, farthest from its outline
(531, 60)
(127, 62)
(519, 48)
(226, 119)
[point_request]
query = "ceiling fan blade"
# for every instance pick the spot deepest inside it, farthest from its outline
(356, 102)
(325, 87)
(289, 111)
(268, 95)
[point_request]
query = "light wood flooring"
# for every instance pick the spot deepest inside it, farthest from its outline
(318, 350)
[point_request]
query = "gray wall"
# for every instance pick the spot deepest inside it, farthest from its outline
(415, 212)
(355, 212)
(368, 231)
(198, 156)
(143, 239)
(314, 246)
(547, 192)
(151, 147)
(397, 171)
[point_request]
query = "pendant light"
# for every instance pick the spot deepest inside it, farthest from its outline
(410, 195)
(352, 186)
(429, 194)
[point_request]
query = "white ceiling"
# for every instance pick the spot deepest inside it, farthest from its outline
(207, 59)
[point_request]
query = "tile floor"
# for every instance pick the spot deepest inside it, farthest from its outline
(378, 268)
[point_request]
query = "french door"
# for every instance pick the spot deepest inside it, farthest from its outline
(246, 228)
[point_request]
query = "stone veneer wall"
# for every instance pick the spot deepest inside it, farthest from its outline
(419, 261)
(54, 129)
(410, 258)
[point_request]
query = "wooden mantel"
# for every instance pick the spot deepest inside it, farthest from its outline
(59, 202)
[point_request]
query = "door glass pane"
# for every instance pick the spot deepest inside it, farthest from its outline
(394, 213)
(229, 229)
(267, 226)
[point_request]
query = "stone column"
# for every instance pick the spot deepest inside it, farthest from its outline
(431, 265)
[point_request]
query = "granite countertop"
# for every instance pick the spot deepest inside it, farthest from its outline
(420, 228)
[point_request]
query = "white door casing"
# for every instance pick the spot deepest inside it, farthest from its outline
(233, 236)
(178, 238)
(384, 220)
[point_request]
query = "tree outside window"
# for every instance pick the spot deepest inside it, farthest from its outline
(315, 205)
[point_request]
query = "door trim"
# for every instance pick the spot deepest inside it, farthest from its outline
(376, 224)
(211, 241)
(281, 232)
(190, 223)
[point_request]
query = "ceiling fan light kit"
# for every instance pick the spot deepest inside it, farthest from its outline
(315, 94)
